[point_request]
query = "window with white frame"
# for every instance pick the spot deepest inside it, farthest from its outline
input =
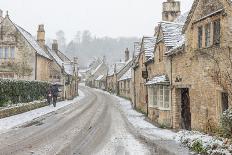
(159, 96)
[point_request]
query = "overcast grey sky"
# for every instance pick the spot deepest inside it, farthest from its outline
(112, 18)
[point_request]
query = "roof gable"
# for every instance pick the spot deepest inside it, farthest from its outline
(31, 40)
(206, 9)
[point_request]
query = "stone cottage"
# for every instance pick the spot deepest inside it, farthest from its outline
(199, 65)
(124, 77)
(140, 73)
(21, 55)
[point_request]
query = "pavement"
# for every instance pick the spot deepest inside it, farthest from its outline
(93, 125)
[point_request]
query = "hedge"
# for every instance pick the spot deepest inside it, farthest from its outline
(19, 91)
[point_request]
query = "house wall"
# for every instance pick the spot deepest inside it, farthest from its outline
(10, 37)
(125, 88)
(139, 85)
(43, 68)
(160, 66)
(191, 69)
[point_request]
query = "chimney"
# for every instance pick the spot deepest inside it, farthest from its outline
(127, 55)
(171, 10)
(1, 15)
(75, 60)
(41, 35)
(55, 45)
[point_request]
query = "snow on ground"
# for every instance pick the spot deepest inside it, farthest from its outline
(138, 121)
(211, 145)
(13, 121)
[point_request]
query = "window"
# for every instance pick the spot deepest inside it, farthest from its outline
(12, 50)
(200, 31)
(207, 35)
(216, 32)
(159, 96)
(6, 52)
(224, 100)
(1, 53)
(166, 96)
(155, 95)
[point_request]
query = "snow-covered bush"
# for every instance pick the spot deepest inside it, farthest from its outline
(226, 123)
(204, 144)
(14, 91)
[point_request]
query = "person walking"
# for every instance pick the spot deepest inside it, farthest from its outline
(55, 91)
(49, 95)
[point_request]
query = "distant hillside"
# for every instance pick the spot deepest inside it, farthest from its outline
(86, 47)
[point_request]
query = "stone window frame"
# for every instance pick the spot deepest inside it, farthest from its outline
(10, 53)
(200, 37)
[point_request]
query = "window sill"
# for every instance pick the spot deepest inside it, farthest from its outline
(160, 108)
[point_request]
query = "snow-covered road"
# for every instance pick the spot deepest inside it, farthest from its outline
(94, 124)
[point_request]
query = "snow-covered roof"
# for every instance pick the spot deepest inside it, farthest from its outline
(172, 33)
(178, 45)
(158, 80)
(116, 68)
(68, 68)
(182, 18)
(148, 46)
(137, 47)
(55, 57)
(127, 75)
(99, 78)
(96, 69)
(32, 41)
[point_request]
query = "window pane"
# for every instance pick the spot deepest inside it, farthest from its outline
(216, 32)
(207, 35)
(6, 52)
(166, 96)
(155, 95)
(200, 37)
(12, 50)
(1, 53)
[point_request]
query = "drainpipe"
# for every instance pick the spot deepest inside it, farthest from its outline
(171, 89)
(36, 66)
(147, 92)
(134, 91)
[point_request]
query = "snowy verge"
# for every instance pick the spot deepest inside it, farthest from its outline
(13, 121)
(203, 143)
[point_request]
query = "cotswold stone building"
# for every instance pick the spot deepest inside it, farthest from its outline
(124, 77)
(200, 90)
(24, 57)
(21, 56)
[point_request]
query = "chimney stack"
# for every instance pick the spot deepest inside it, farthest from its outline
(55, 45)
(75, 60)
(41, 35)
(171, 10)
(127, 55)
(1, 15)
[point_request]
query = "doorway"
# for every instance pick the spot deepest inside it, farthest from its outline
(224, 101)
(185, 109)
